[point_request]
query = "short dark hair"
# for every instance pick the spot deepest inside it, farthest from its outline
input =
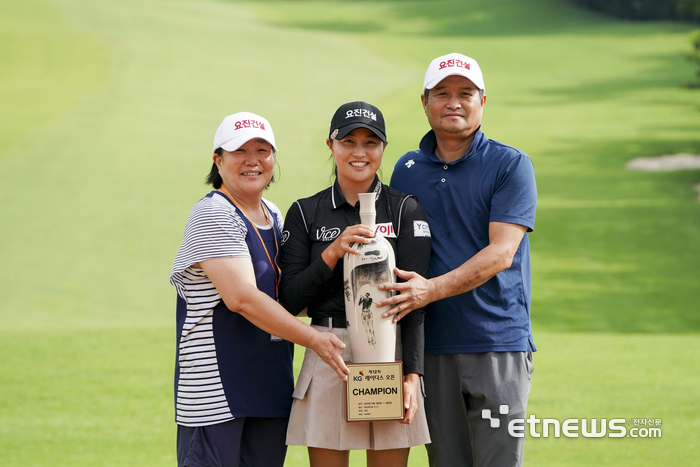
(426, 94)
(214, 178)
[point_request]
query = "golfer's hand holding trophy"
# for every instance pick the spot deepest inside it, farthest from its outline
(375, 382)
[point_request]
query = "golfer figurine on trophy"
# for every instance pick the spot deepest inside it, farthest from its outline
(375, 382)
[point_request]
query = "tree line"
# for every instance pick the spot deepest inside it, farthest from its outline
(675, 10)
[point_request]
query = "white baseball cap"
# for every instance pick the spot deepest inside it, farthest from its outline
(453, 64)
(239, 128)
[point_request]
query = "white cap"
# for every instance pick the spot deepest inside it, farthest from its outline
(453, 64)
(238, 129)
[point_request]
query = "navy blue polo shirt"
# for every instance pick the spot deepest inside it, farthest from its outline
(492, 182)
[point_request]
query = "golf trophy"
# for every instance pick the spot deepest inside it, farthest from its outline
(375, 383)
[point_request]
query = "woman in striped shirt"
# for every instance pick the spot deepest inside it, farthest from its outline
(234, 379)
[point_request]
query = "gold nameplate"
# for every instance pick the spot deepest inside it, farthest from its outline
(375, 391)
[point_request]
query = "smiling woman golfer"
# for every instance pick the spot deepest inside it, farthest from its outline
(318, 232)
(233, 379)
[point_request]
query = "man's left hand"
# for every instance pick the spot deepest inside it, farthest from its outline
(413, 294)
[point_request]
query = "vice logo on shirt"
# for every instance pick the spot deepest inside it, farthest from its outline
(327, 235)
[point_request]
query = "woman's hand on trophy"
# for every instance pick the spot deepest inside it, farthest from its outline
(357, 233)
(326, 345)
(410, 397)
(415, 293)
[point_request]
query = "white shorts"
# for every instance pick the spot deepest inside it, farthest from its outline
(318, 417)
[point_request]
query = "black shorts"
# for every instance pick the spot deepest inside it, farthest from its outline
(243, 441)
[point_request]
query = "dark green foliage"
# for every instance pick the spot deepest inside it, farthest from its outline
(684, 10)
(694, 56)
(689, 8)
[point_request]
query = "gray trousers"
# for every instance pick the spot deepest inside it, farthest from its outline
(458, 387)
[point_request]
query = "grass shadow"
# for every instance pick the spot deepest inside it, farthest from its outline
(449, 18)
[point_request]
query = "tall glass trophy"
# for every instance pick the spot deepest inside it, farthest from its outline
(375, 382)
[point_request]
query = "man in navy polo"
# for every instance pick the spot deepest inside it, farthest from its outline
(479, 197)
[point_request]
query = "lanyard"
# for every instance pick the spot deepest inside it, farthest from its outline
(275, 267)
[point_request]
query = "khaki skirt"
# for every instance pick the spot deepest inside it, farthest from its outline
(318, 416)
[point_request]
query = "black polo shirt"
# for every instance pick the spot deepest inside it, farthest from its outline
(312, 224)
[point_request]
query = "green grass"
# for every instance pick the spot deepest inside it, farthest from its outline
(107, 112)
(79, 398)
(87, 398)
(606, 376)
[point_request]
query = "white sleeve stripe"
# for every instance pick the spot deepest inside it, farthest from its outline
(205, 400)
(303, 218)
(398, 227)
(202, 394)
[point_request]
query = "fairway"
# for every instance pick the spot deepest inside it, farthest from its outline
(108, 110)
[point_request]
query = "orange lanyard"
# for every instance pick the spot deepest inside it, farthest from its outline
(275, 267)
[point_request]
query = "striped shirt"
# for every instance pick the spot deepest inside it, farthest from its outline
(214, 230)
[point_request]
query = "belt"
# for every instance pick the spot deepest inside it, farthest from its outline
(330, 322)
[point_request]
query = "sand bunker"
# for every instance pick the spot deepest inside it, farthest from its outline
(665, 163)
